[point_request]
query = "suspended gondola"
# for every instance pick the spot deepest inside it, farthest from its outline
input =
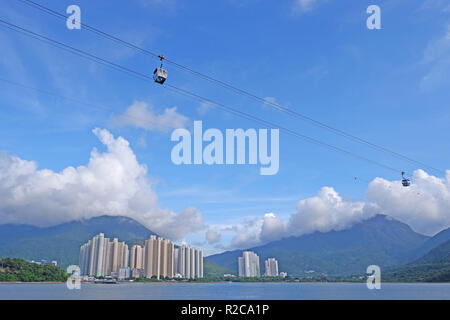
(405, 182)
(160, 74)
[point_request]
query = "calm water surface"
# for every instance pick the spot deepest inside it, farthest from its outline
(232, 291)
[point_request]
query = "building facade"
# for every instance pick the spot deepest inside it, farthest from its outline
(248, 265)
(100, 257)
(158, 258)
(188, 262)
(137, 257)
(271, 265)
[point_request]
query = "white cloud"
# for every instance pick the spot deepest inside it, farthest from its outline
(247, 234)
(141, 142)
(304, 5)
(204, 108)
(272, 227)
(146, 3)
(437, 58)
(425, 205)
(113, 183)
(212, 236)
(441, 5)
(327, 211)
(270, 100)
(140, 115)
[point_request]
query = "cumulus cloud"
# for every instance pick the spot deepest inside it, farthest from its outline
(247, 234)
(141, 115)
(272, 228)
(425, 205)
(212, 236)
(325, 212)
(112, 183)
(257, 231)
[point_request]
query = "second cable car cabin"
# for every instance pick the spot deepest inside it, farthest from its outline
(405, 182)
(160, 74)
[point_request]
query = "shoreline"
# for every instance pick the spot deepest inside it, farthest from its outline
(216, 282)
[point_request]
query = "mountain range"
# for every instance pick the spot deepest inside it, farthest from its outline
(432, 267)
(62, 242)
(381, 240)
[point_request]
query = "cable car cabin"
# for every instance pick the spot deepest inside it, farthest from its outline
(406, 182)
(159, 75)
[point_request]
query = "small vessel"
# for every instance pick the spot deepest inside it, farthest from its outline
(106, 281)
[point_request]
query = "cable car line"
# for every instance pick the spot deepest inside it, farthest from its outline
(145, 77)
(272, 125)
(87, 104)
(241, 91)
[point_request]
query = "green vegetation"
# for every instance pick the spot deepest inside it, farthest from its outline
(435, 272)
(433, 267)
(212, 270)
(24, 271)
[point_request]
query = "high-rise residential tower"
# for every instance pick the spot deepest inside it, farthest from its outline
(100, 257)
(137, 257)
(248, 265)
(158, 258)
(271, 265)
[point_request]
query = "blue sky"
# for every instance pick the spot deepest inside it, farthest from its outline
(316, 57)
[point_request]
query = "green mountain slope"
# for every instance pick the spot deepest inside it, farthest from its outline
(440, 254)
(433, 267)
(380, 240)
(62, 242)
(432, 243)
(212, 270)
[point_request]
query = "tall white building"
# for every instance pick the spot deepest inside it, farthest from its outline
(188, 262)
(271, 265)
(152, 257)
(137, 257)
(248, 265)
(158, 258)
(100, 257)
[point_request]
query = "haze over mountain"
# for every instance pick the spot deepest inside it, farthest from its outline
(62, 242)
(432, 267)
(435, 241)
(439, 254)
(379, 240)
